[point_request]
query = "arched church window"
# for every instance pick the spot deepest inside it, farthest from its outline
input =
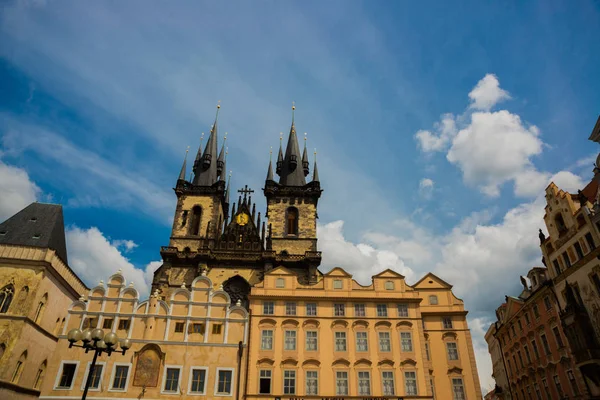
(40, 308)
(19, 368)
(2, 349)
(40, 375)
(6, 296)
(195, 223)
(292, 221)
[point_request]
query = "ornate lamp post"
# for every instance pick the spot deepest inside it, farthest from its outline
(95, 340)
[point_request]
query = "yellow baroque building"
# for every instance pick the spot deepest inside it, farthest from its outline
(239, 309)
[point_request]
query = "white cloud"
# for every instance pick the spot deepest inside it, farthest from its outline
(444, 132)
(487, 93)
(125, 245)
(17, 190)
(361, 260)
(94, 258)
(494, 148)
(426, 188)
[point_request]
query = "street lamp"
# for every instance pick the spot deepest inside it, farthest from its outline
(98, 342)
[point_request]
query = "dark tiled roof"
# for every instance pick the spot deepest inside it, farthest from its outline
(37, 225)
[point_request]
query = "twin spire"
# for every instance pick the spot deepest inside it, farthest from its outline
(291, 168)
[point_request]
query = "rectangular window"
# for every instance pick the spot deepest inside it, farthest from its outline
(384, 341)
(198, 381)
(452, 351)
(311, 309)
(124, 324)
(410, 383)
(557, 337)
(590, 241)
(359, 310)
(172, 380)
(311, 341)
(548, 303)
(403, 310)
(527, 354)
(596, 280)
(90, 323)
(107, 323)
(567, 260)
(289, 382)
(509, 366)
(556, 267)
(179, 327)
(558, 386)
(264, 381)
(545, 344)
(361, 341)
(216, 329)
(268, 308)
(120, 379)
(535, 349)
(312, 383)
(458, 389)
(290, 308)
(279, 283)
(578, 250)
(290, 340)
(338, 310)
(364, 383)
(387, 380)
(224, 381)
(66, 376)
(340, 341)
(433, 300)
(96, 375)
(527, 320)
(337, 284)
(573, 383)
(432, 386)
(198, 328)
(427, 351)
(406, 340)
(266, 339)
(536, 311)
(382, 310)
(341, 383)
(513, 330)
(447, 322)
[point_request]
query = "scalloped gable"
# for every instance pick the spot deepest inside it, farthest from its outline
(388, 273)
(337, 271)
(432, 281)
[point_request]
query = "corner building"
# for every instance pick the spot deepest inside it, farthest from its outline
(230, 275)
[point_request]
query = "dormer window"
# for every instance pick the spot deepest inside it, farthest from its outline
(293, 161)
(36, 236)
(206, 160)
(33, 219)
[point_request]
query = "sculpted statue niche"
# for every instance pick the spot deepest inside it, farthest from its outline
(238, 289)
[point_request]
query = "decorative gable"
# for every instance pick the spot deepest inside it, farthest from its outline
(431, 281)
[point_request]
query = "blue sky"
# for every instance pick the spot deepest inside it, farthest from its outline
(437, 125)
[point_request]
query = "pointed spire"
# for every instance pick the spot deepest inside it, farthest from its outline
(184, 166)
(270, 170)
(227, 190)
(290, 174)
(305, 158)
(315, 170)
(205, 169)
(280, 155)
(221, 162)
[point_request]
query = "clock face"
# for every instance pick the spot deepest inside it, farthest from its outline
(242, 219)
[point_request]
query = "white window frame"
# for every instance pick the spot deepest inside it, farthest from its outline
(294, 336)
(335, 341)
(462, 384)
(358, 372)
(458, 355)
(406, 384)
(283, 378)
(347, 383)
(401, 314)
(262, 339)
(164, 380)
(316, 341)
(338, 284)
(410, 339)
(339, 311)
(272, 304)
(295, 305)
(447, 323)
(270, 379)
(383, 312)
(393, 382)
(362, 307)
(306, 309)
(87, 371)
(366, 339)
(112, 377)
(60, 371)
(306, 382)
(232, 370)
(389, 341)
(190, 379)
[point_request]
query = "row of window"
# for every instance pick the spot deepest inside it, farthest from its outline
(545, 345)
(7, 294)
(548, 305)
(339, 310)
(546, 388)
(563, 261)
(340, 342)
(171, 383)
(124, 324)
(342, 384)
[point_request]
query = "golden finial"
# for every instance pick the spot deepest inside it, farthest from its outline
(218, 104)
(304, 137)
(187, 150)
(315, 153)
(293, 108)
(271, 154)
(280, 136)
